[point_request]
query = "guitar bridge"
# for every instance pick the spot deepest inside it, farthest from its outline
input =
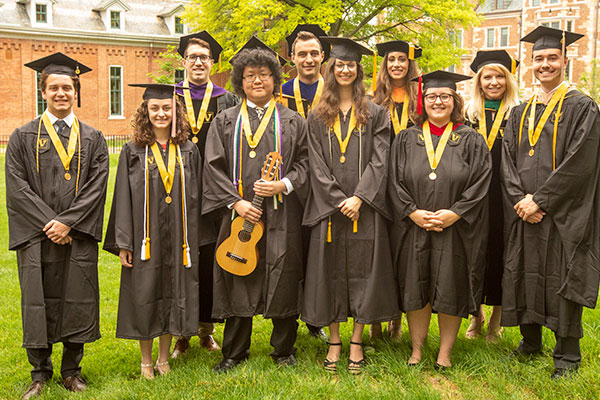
(237, 258)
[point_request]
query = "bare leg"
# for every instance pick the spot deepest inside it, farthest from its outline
(494, 330)
(164, 346)
(395, 328)
(147, 365)
(474, 329)
(375, 331)
(356, 352)
(449, 326)
(418, 326)
(333, 354)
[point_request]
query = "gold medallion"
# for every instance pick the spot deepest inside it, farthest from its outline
(531, 152)
(168, 199)
(67, 176)
(432, 176)
(252, 154)
(195, 139)
(342, 158)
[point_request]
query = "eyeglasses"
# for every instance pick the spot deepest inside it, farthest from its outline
(340, 67)
(444, 97)
(193, 58)
(262, 77)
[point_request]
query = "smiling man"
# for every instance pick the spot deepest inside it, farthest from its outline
(551, 188)
(56, 174)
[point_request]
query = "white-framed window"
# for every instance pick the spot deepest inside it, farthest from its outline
(179, 25)
(535, 3)
(552, 24)
(115, 19)
(553, 1)
(40, 12)
(179, 75)
(490, 38)
(452, 68)
(570, 25)
(456, 37)
(569, 71)
(504, 38)
(40, 103)
(115, 91)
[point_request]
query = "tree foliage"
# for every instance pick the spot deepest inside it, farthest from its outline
(590, 81)
(427, 23)
(168, 62)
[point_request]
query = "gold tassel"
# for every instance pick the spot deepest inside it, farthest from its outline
(241, 188)
(146, 248)
(329, 231)
(185, 255)
(355, 226)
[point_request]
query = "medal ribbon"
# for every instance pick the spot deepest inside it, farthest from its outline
(337, 129)
(187, 96)
(65, 156)
(401, 124)
(435, 157)
(495, 126)
(166, 176)
(535, 135)
(254, 138)
(298, 96)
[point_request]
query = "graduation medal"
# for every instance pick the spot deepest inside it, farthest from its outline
(337, 129)
(189, 107)
(166, 175)
(253, 139)
(491, 138)
(65, 156)
(434, 156)
(401, 124)
(298, 96)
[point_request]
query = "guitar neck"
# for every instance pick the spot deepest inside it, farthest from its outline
(257, 203)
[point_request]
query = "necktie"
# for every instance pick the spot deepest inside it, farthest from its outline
(59, 126)
(260, 111)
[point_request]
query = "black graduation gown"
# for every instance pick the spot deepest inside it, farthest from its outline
(492, 287)
(552, 268)
(274, 288)
(59, 283)
(444, 269)
(159, 295)
(352, 276)
(399, 107)
(290, 102)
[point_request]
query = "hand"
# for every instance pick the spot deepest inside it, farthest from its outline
(536, 218)
(126, 257)
(246, 210)
(350, 207)
(447, 217)
(526, 207)
(268, 189)
(426, 220)
(67, 240)
(56, 231)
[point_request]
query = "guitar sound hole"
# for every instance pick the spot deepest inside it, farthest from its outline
(244, 236)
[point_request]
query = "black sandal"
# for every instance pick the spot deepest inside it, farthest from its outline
(355, 367)
(331, 366)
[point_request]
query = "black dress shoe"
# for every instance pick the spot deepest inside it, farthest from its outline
(560, 373)
(287, 361)
(34, 390)
(317, 332)
(225, 365)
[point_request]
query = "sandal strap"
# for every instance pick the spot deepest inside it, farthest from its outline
(161, 364)
(357, 343)
(334, 344)
(146, 365)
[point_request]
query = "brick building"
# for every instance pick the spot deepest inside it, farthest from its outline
(119, 40)
(506, 21)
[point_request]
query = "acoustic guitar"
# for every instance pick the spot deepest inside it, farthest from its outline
(238, 253)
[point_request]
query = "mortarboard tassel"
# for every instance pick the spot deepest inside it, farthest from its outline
(411, 52)
(420, 97)
(174, 119)
(145, 253)
(355, 226)
(329, 231)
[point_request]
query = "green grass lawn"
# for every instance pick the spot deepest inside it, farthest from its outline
(111, 366)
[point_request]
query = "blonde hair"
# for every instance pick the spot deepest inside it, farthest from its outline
(511, 94)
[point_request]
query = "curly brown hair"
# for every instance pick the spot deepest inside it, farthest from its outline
(457, 116)
(383, 90)
(329, 106)
(143, 135)
(254, 58)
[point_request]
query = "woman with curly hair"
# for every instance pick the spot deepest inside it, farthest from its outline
(396, 92)
(349, 270)
(154, 228)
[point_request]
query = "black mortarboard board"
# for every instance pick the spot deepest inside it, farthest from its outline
(486, 57)
(60, 64)
(256, 43)
(346, 49)
(410, 50)
(436, 79)
(155, 90)
(315, 30)
(544, 37)
(215, 47)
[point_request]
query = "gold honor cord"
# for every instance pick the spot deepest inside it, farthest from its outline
(435, 156)
(189, 106)
(65, 156)
(401, 124)
(490, 139)
(254, 138)
(534, 135)
(298, 96)
(337, 129)
(166, 176)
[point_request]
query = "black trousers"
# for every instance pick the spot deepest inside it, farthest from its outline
(41, 361)
(567, 353)
(238, 332)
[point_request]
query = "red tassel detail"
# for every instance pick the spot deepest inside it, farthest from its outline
(420, 97)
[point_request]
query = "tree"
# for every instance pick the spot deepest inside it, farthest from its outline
(590, 81)
(427, 23)
(169, 61)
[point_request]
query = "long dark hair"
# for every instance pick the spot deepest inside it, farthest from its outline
(143, 135)
(329, 106)
(457, 116)
(383, 90)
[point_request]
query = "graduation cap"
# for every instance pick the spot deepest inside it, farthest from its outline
(60, 64)
(346, 49)
(409, 49)
(315, 30)
(544, 37)
(158, 91)
(215, 47)
(486, 57)
(256, 43)
(436, 79)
